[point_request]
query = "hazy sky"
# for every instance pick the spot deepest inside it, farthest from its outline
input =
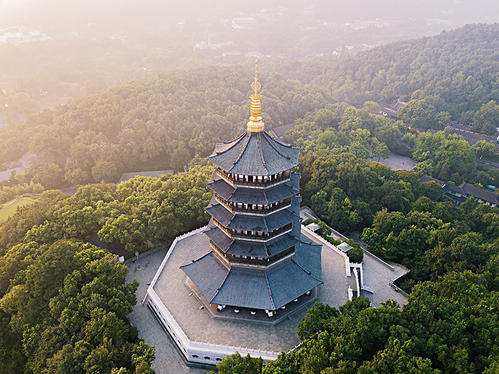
(39, 10)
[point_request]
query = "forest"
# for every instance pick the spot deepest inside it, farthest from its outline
(64, 302)
(163, 122)
(450, 324)
(444, 77)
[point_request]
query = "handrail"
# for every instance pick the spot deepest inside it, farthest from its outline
(281, 205)
(233, 181)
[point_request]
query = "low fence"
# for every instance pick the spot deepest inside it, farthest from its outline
(329, 245)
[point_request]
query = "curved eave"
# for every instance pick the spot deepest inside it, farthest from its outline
(255, 289)
(255, 154)
(249, 195)
(249, 248)
(265, 224)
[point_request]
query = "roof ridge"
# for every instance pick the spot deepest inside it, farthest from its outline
(265, 223)
(266, 250)
(265, 196)
(261, 154)
(244, 148)
(234, 140)
(196, 260)
(275, 148)
(279, 141)
(269, 290)
(305, 270)
(220, 286)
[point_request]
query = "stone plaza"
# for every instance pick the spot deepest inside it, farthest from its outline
(196, 333)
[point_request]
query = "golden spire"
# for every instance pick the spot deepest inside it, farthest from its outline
(255, 123)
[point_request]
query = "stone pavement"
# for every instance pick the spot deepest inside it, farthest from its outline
(197, 322)
(168, 359)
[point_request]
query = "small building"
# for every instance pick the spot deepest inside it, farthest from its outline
(454, 191)
(392, 111)
(426, 178)
(463, 191)
(481, 194)
(313, 227)
(279, 131)
(344, 247)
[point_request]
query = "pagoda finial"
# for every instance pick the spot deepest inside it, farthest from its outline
(255, 123)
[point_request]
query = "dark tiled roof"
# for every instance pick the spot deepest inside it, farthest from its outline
(255, 153)
(281, 130)
(115, 248)
(257, 289)
(265, 224)
(245, 288)
(256, 196)
(207, 273)
(453, 189)
(248, 248)
(479, 193)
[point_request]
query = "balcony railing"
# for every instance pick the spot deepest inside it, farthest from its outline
(253, 261)
(265, 210)
(266, 237)
(255, 183)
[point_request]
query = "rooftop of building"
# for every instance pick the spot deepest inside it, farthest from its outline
(479, 193)
(250, 248)
(255, 153)
(268, 289)
(255, 196)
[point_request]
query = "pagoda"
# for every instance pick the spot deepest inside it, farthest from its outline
(257, 259)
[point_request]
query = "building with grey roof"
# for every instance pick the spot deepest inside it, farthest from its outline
(256, 258)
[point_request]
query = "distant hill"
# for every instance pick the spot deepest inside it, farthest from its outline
(455, 72)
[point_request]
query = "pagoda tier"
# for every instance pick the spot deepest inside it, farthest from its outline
(258, 250)
(264, 289)
(253, 225)
(248, 195)
(255, 154)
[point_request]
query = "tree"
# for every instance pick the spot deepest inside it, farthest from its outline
(380, 150)
(105, 171)
(484, 149)
(240, 365)
(486, 118)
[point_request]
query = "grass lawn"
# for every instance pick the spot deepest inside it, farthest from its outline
(9, 208)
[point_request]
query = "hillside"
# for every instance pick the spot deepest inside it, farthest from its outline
(162, 123)
(454, 72)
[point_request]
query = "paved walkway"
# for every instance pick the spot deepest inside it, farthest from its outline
(168, 360)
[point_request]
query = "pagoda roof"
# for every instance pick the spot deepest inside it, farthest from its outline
(248, 248)
(255, 153)
(257, 289)
(256, 196)
(266, 224)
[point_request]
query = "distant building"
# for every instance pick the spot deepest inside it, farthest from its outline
(463, 191)
(279, 131)
(239, 23)
(391, 111)
(471, 136)
(482, 195)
